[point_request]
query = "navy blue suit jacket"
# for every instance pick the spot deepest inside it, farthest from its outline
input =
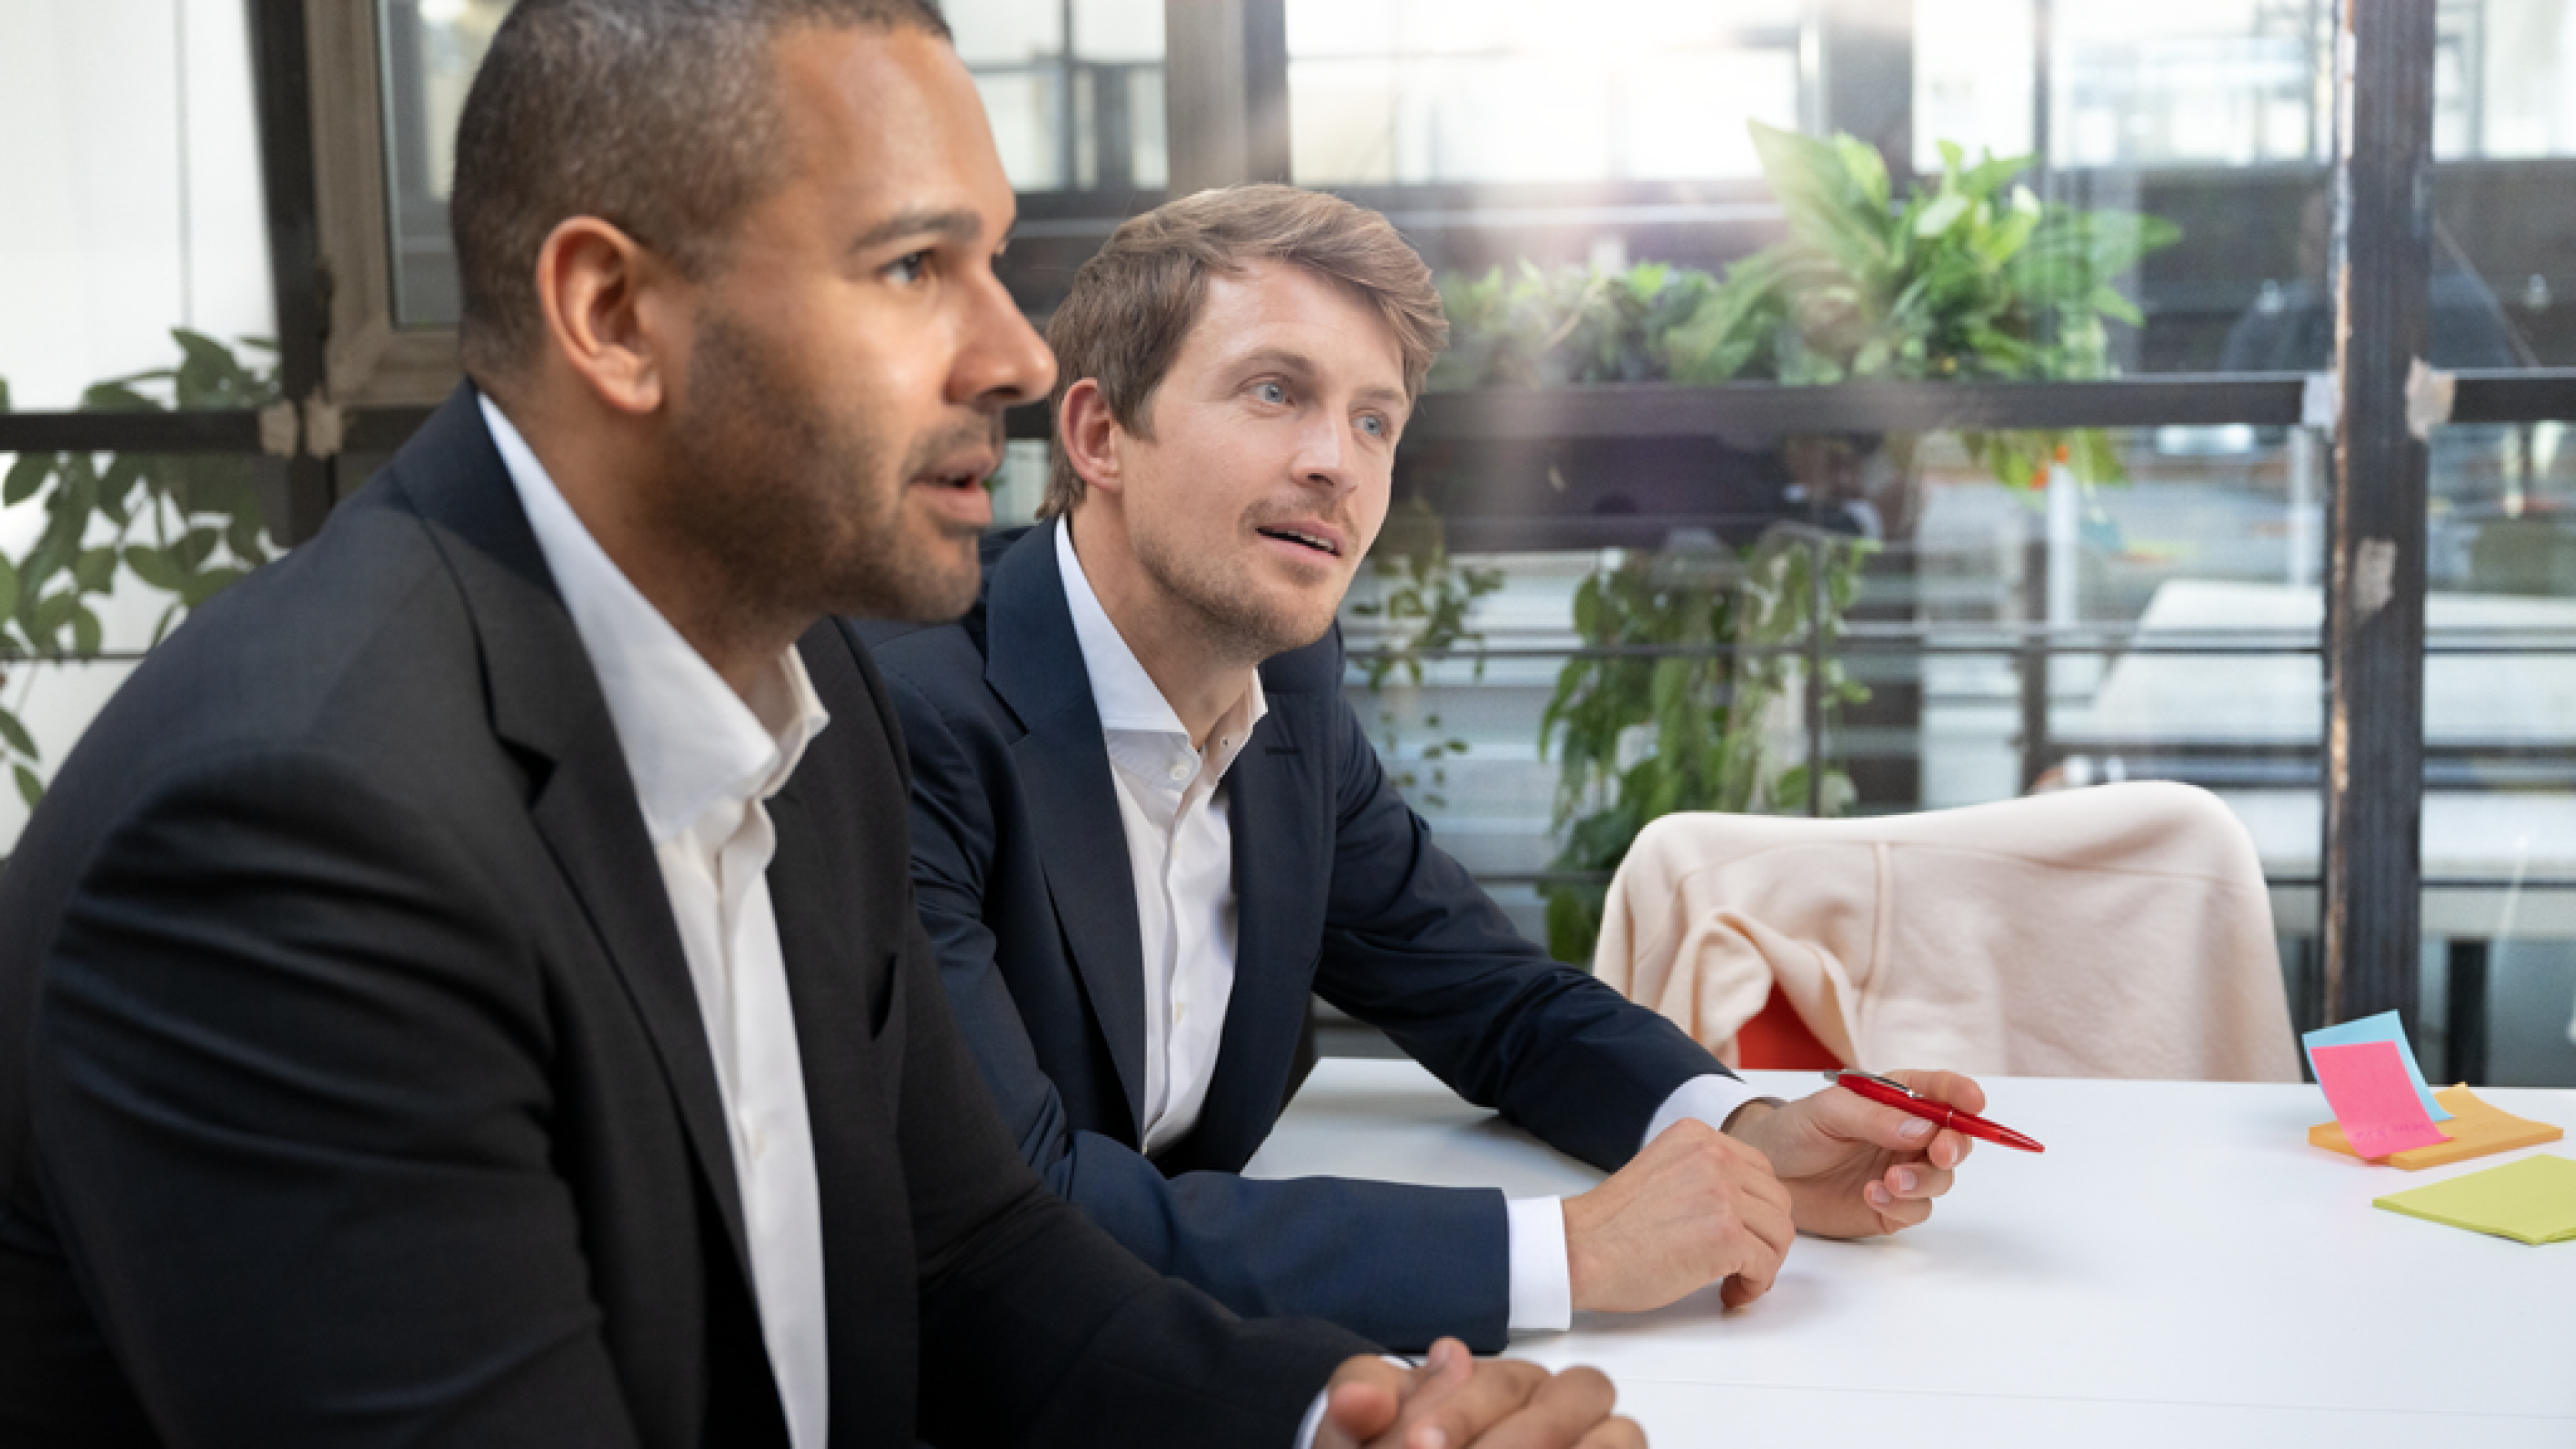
(1023, 879)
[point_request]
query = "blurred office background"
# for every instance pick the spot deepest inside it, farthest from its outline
(167, 165)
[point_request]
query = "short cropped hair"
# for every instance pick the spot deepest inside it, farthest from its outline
(660, 117)
(1134, 304)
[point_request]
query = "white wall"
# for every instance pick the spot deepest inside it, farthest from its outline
(130, 203)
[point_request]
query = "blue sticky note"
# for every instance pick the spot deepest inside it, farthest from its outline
(2383, 1027)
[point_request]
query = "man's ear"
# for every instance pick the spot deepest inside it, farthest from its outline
(1090, 435)
(607, 313)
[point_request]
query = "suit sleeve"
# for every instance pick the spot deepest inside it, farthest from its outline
(1415, 947)
(289, 1095)
(1398, 1263)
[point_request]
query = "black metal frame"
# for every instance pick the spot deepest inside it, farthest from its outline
(2377, 500)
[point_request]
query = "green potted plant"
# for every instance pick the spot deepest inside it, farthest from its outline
(1972, 277)
(184, 524)
(1696, 661)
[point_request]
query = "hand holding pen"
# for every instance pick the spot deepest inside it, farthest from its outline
(1858, 1168)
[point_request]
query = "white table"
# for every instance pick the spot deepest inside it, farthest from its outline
(2179, 1269)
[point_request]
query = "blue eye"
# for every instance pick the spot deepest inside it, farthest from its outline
(1270, 392)
(1373, 425)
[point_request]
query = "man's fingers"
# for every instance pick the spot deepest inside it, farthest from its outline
(1452, 1410)
(1362, 1400)
(1361, 1410)
(1615, 1434)
(1559, 1414)
(1960, 1092)
(1951, 1148)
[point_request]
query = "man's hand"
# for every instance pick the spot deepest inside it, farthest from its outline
(1695, 1207)
(1854, 1167)
(1453, 1401)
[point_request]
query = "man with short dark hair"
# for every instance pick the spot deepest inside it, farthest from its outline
(465, 989)
(1146, 827)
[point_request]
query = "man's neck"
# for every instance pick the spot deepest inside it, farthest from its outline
(595, 474)
(1198, 681)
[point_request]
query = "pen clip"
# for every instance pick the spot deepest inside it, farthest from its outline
(1890, 1083)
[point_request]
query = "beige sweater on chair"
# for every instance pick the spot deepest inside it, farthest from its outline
(2120, 931)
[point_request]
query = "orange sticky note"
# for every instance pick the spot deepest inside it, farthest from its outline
(2373, 1099)
(2476, 1129)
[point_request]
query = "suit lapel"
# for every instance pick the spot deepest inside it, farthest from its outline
(1034, 662)
(1280, 878)
(546, 705)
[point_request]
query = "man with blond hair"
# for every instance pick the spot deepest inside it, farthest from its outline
(1146, 827)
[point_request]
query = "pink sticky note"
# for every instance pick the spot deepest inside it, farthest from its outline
(2373, 1099)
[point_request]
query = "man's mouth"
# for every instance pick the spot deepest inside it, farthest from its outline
(1318, 542)
(965, 474)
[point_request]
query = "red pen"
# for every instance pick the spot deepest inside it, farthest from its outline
(1938, 1113)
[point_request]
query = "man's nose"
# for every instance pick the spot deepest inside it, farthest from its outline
(1004, 362)
(1324, 455)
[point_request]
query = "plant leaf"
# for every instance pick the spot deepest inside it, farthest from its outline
(206, 585)
(25, 477)
(95, 570)
(15, 734)
(154, 567)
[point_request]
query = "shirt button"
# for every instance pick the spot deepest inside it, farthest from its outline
(1180, 773)
(757, 1140)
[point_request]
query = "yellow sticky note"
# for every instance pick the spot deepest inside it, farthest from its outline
(2533, 1200)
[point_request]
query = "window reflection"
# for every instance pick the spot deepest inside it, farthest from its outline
(1074, 89)
(1424, 91)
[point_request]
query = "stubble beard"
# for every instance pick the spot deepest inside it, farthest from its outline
(792, 498)
(1229, 617)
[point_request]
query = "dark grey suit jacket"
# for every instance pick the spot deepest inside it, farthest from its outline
(353, 1090)
(1025, 885)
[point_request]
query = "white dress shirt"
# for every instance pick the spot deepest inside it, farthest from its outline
(1180, 845)
(703, 760)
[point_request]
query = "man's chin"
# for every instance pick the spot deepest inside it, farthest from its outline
(935, 584)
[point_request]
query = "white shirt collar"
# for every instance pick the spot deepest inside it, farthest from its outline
(1121, 690)
(690, 741)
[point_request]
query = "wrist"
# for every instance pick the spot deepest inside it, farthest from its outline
(1741, 1122)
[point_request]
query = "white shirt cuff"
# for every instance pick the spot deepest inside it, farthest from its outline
(1709, 1097)
(1542, 1298)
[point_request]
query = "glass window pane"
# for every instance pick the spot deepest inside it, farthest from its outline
(129, 150)
(2182, 599)
(1006, 32)
(1026, 109)
(2196, 82)
(432, 49)
(1081, 117)
(2500, 742)
(1973, 76)
(2516, 51)
(1432, 91)
(1126, 30)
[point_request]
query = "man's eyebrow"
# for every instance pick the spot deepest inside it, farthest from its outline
(960, 226)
